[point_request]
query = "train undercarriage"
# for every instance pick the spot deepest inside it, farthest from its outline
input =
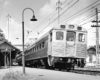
(56, 63)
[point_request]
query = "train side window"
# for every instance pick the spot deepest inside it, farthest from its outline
(70, 36)
(37, 47)
(42, 44)
(81, 37)
(33, 49)
(59, 35)
(50, 37)
(27, 52)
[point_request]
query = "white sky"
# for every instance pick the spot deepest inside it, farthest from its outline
(42, 9)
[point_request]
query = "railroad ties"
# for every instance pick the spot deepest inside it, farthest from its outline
(88, 70)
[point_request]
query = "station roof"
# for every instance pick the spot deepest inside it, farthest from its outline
(5, 45)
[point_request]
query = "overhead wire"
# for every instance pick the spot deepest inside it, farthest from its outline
(75, 15)
(93, 28)
(86, 17)
(61, 14)
(14, 17)
(82, 9)
(90, 17)
(2, 7)
(91, 5)
(51, 15)
(80, 12)
(57, 12)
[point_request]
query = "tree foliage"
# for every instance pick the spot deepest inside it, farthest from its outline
(2, 36)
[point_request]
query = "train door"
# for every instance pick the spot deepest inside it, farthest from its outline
(81, 48)
(50, 44)
(70, 43)
(58, 43)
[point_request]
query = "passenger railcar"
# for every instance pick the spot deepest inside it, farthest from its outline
(63, 47)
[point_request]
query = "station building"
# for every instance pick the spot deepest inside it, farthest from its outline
(8, 53)
(91, 57)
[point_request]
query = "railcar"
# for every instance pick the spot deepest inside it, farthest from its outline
(63, 47)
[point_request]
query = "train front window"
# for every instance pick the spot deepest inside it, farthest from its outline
(59, 35)
(70, 36)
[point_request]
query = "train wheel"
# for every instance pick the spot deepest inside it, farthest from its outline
(68, 66)
(68, 70)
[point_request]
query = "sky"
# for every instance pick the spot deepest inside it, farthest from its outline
(42, 9)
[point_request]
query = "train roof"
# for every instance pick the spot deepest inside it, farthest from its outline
(36, 41)
(73, 27)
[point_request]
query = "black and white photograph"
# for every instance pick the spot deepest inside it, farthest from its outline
(49, 39)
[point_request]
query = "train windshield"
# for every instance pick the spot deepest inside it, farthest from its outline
(59, 35)
(70, 36)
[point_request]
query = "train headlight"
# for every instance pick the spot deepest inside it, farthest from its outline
(60, 59)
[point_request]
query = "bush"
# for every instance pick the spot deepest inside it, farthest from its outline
(16, 76)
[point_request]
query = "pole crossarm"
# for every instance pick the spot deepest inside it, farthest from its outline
(95, 26)
(95, 21)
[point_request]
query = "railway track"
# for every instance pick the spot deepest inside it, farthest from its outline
(88, 71)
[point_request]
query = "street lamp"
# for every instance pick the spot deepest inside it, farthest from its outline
(33, 19)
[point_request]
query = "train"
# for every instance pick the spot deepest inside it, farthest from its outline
(63, 47)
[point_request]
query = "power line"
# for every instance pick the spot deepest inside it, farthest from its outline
(62, 13)
(14, 16)
(92, 16)
(79, 12)
(87, 22)
(74, 15)
(2, 6)
(52, 14)
(87, 17)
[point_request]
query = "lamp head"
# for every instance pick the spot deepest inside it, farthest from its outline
(33, 18)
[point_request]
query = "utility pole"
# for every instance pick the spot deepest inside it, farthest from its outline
(8, 19)
(97, 36)
(58, 8)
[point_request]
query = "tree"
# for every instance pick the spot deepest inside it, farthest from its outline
(2, 36)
